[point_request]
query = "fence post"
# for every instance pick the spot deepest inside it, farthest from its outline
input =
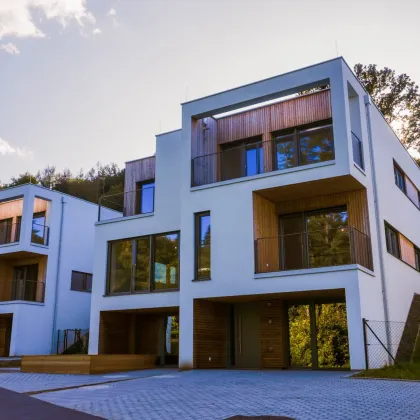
(366, 344)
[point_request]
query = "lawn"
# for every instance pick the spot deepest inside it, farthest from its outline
(405, 371)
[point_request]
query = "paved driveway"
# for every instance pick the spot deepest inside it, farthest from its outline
(205, 395)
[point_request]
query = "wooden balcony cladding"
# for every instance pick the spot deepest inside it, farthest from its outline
(136, 171)
(40, 205)
(208, 133)
(11, 209)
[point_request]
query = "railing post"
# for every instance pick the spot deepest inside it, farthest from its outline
(366, 344)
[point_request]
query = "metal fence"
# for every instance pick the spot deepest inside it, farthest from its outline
(73, 341)
(391, 342)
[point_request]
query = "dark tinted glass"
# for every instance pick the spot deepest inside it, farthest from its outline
(316, 145)
(285, 152)
(166, 261)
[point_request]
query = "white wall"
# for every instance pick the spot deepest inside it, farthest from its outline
(166, 218)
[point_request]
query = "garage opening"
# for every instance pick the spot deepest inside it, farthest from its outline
(147, 331)
(6, 321)
(290, 330)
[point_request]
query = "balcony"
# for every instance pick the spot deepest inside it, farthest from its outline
(40, 234)
(313, 249)
(23, 290)
(9, 233)
(128, 203)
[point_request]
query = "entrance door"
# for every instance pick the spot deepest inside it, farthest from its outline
(25, 282)
(318, 336)
(5, 333)
(247, 335)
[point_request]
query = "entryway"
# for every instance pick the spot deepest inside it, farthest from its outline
(6, 321)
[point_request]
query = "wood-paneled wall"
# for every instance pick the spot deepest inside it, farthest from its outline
(136, 171)
(266, 231)
(40, 205)
(356, 202)
(273, 332)
(210, 334)
(11, 209)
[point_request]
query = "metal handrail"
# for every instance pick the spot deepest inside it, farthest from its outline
(10, 233)
(26, 290)
(45, 238)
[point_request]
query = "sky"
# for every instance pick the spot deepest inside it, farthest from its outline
(83, 81)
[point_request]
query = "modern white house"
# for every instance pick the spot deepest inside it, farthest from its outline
(46, 264)
(263, 231)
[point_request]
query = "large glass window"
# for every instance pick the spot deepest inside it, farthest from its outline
(81, 282)
(286, 156)
(254, 159)
(399, 178)
(202, 245)
(144, 264)
(39, 229)
(316, 145)
(166, 261)
(6, 231)
(145, 197)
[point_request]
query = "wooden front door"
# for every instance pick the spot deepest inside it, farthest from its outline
(5, 333)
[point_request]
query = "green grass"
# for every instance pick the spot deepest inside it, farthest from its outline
(405, 371)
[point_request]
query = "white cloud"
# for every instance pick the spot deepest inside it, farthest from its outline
(7, 149)
(16, 19)
(96, 31)
(112, 12)
(9, 48)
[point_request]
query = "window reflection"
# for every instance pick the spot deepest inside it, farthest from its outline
(166, 262)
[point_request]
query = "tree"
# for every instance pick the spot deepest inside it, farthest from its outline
(398, 98)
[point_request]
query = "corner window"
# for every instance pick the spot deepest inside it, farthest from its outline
(417, 258)
(39, 229)
(399, 178)
(392, 241)
(145, 197)
(202, 246)
(81, 282)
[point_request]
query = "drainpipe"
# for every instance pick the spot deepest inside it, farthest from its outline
(379, 226)
(57, 280)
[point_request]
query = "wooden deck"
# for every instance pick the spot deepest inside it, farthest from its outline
(87, 364)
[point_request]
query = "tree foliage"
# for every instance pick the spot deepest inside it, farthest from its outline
(99, 180)
(398, 98)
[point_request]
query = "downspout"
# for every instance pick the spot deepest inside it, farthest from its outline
(57, 280)
(379, 228)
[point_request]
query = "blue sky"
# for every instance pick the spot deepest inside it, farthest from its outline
(83, 81)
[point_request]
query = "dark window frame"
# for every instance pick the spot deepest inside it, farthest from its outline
(150, 289)
(139, 195)
(417, 257)
(85, 282)
(404, 177)
(295, 132)
(197, 244)
(388, 241)
(8, 224)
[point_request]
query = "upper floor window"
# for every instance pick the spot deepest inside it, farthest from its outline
(81, 282)
(202, 246)
(145, 197)
(399, 178)
(39, 229)
(417, 258)
(392, 241)
(405, 184)
(144, 264)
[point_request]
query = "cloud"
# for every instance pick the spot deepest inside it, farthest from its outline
(96, 31)
(9, 48)
(16, 16)
(112, 13)
(6, 149)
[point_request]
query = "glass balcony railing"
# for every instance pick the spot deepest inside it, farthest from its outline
(40, 234)
(26, 290)
(285, 151)
(129, 203)
(313, 249)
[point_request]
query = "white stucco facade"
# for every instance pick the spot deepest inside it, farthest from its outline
(231, 207)
(70, 223)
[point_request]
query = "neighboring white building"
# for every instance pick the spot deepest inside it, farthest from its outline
(46, 264)
(308, 198)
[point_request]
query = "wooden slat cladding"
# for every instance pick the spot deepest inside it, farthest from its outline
(260, 122)
(266, 225)
(136, 171)
(356, 202)
(114, 333)
(407, 251)
(210, 334)
(273, 334)
(11, 210)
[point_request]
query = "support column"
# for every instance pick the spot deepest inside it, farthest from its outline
(186, 334)
(355, 329)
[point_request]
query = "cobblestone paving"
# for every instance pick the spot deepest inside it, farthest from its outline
(209, 395)
(28, 382)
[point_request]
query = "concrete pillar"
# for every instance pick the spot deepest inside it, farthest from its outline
(355, 329)
(186, 334)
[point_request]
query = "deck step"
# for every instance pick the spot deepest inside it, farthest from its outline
(10, 362)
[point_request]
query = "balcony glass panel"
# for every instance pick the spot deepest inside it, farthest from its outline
(285, 152)
(316, 145)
